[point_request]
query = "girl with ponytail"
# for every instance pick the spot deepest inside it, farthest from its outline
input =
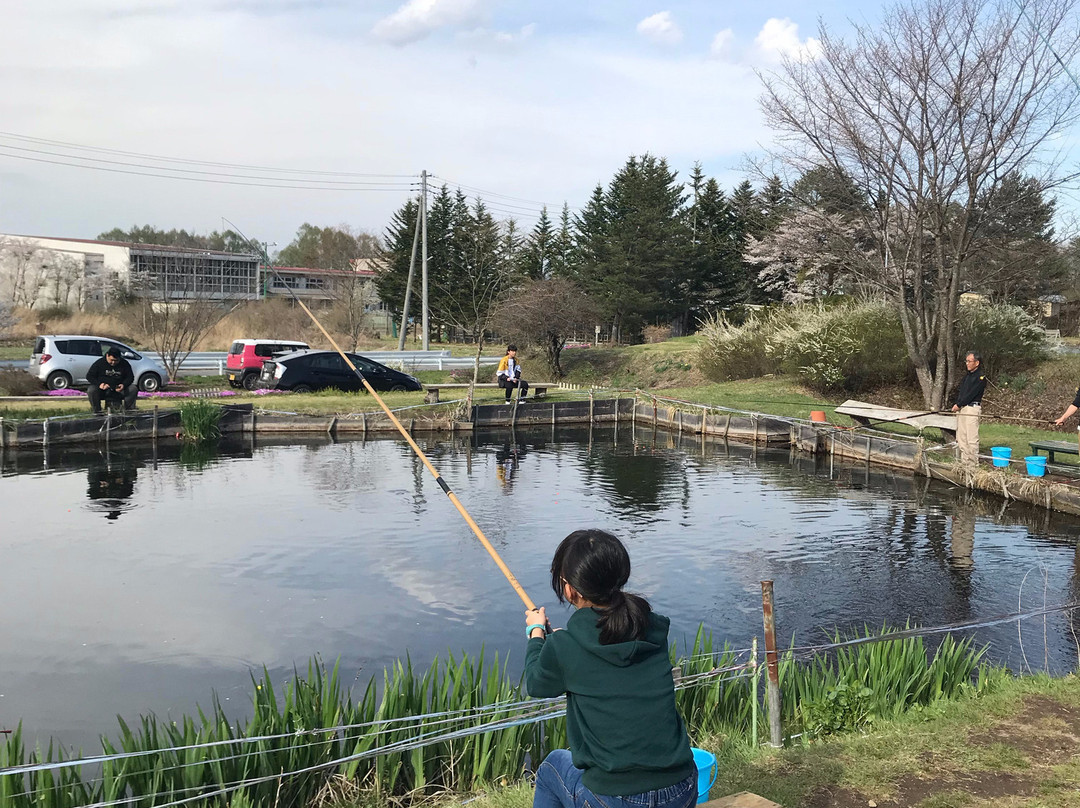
(628, 744)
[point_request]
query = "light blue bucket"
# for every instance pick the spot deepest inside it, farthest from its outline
(706, 772)
(1001, 454)
(1036, 465)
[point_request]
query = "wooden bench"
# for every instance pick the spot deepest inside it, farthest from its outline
(864, 414)
(536, 389)
(1052, 447)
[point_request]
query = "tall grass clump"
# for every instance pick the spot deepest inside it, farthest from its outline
(1009, 339)
(731, 350)
(408, 735)
(200, 420)
(849, 347)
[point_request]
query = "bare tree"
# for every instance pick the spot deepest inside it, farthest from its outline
(480, 271)
(926, 114)
(21, 265)
(546, 313)
(7, 319)
(62, 277)
(352, 293)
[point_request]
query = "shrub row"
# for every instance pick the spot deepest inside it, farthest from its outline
(857, 347)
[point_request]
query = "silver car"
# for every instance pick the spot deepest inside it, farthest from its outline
(62, 361)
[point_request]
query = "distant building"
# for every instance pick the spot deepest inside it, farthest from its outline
(328, 287)
(37, 272)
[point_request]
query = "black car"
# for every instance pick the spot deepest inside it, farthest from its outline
(305, 371)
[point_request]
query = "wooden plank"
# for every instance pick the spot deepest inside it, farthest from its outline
(744, 799)
(862, 411)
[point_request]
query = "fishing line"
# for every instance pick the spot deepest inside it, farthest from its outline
(408, 438)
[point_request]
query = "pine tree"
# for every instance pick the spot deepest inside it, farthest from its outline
(633, 245)
(563, 250)
(538, 253)
(392, 271)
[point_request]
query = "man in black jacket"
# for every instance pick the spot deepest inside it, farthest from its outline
(968, 407)
(111, 378)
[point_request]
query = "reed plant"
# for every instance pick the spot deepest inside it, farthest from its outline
(416, 732)
(200, 419)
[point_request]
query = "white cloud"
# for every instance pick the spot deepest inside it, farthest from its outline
(721, 44)
(780, 37)
(486, 35)
(418, 18)
(661, 28)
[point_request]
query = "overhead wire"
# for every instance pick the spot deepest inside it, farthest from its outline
(396, 189)
(188, 161)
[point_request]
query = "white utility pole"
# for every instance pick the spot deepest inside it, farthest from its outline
(423, 263)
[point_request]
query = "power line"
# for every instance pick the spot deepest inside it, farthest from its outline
(182, 171)
(496, 194)
(161, 158)
(396, 189)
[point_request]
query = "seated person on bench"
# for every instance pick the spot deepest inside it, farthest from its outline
(509, 375)
(111, 379)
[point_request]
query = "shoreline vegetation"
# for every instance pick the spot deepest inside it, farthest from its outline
(1016, 411)
(464, 726)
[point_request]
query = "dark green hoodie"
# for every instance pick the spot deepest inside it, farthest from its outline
(621, 721)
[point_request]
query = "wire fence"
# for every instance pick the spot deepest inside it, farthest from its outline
(441, 726)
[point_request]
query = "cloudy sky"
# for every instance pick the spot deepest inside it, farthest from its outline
(526, 102)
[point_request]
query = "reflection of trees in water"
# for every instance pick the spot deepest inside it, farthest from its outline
(641, 481)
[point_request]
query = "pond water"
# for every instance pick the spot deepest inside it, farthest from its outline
(144, 579)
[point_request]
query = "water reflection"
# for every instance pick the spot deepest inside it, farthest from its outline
(271, 552)
(508, 458)
(110, 484)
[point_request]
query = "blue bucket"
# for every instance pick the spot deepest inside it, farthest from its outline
(1001, 455)
(1036, 465)
(706, 772)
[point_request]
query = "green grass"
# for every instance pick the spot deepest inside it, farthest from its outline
(296, 715)
(17, 351)
(776, 396)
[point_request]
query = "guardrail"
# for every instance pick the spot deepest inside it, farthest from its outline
(207, 363)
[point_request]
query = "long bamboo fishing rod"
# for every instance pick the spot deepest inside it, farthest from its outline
(408, 438)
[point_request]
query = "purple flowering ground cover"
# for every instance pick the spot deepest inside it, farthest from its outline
(172, 393)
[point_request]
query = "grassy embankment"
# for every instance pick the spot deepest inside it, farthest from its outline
(668, 369)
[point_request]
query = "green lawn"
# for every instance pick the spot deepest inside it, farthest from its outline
(1018, 746)
(16, 351)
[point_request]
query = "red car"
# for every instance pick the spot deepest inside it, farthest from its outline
(246, 357)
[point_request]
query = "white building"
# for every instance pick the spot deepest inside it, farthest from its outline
(37, 272)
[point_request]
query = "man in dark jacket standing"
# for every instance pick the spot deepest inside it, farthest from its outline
(111, 377)
(968, 407)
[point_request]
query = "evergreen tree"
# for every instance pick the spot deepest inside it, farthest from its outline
(749, 223)
(633, 245)
(538, 253)
(718, 258)
(563, 250)
(392, 270)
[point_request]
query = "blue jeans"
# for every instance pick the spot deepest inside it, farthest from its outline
(558, 785)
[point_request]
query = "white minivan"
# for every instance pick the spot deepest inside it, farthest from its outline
(62, 361)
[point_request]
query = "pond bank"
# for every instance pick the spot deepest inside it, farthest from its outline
(874, 448)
